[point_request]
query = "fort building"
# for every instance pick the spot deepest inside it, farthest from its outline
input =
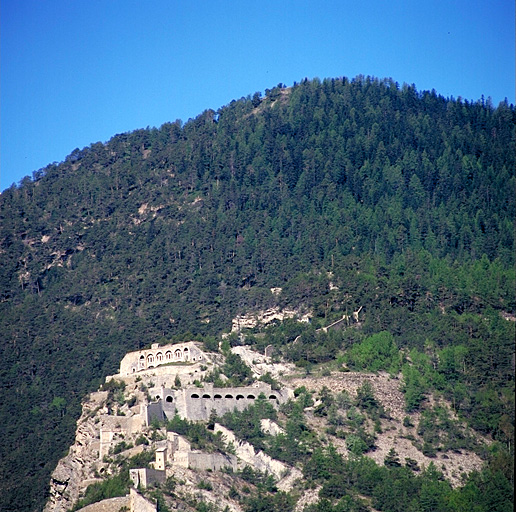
(198, 403)
(155, 356)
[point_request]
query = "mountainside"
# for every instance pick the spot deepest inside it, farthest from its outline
(255, 454)
(326, 198)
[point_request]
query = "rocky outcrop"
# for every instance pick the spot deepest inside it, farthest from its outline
(110, 505)
(251, 320)
(133, 502)
(73, 471)
(260, 461)
(261, 364)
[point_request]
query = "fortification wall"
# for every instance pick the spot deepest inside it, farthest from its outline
(197, 404)
(142, 360)
(133, 502)
(143, 477)
(109, 505)
(211, 461)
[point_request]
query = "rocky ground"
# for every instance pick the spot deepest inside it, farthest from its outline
(84, 464)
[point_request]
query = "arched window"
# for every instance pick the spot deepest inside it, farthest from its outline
(186, 354)
(178, 354)
(150, 359)
(159, 357)
(168, 355)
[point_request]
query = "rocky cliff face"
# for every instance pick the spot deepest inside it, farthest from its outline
(112, 429)
(73, 473)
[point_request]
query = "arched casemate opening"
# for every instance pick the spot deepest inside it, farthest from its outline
(217, 397)
(186, 353)
(169, 399)
(195, 395)
(273, 397)
(229, 397)
(206, 396)
(250, 397)
(240, 397)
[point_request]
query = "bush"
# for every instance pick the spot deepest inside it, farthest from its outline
(113, 487)
(375, 353)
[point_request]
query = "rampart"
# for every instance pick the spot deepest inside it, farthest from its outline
(143, 477)
(133, 502)
(197, 404)
(142, 360)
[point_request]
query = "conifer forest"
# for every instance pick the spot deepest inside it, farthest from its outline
(344, 194)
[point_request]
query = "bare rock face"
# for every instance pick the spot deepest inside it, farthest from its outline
(73, 473)
(251, 320)
(261, 364)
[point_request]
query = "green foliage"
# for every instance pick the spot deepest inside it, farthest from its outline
(266, 502)
(169, 233)
(246, 424)
(392, 460)
(141, 439)
(377, 352)
(398, 489)
(112, 487)
(440, 432)
(120, 447)
(205, 484)
(200, 437)
(263, 481)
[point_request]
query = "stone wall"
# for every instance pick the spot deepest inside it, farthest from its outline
(110, 505)
(143, 360)
(152, 411)
(140, 504)
(258, 460)
(211, 461)
(133, 502)
(197, 404)
(143, 477)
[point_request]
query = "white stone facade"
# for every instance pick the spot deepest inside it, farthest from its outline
(155, 356)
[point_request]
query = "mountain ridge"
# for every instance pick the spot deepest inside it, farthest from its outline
(160, 234)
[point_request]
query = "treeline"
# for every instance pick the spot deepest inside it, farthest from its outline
(406, 197)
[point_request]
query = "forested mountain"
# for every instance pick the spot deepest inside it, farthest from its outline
(405, 198)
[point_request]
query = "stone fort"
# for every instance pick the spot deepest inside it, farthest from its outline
(198, 403)
(147, 359)
(194, 403)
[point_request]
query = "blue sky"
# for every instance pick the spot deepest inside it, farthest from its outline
(77, 72)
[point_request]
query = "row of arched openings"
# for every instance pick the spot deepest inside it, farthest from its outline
(206, 396)
(169, 356)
